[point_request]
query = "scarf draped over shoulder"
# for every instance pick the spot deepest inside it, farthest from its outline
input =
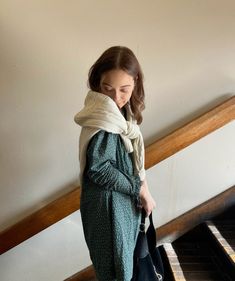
(100, 112)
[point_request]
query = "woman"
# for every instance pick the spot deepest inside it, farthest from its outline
(111, 154)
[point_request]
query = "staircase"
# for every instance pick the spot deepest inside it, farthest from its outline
(206, 252)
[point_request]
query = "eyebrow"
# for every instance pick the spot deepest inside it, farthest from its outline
(120, 87)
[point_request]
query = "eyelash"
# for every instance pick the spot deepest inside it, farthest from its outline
(107, 89)
(123, 91)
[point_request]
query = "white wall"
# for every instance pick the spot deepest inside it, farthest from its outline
(186, 49)
(178, 183)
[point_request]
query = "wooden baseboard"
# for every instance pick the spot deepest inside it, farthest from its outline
(170, 231)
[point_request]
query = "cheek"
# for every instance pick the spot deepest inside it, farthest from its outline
(127, 97)
(124, 99)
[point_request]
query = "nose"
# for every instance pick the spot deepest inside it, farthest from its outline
(115, 95)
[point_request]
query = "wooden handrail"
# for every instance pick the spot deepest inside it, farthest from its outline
(154, 153)
(190, 132)
(39, 220)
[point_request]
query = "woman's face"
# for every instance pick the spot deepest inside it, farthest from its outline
(118, 85)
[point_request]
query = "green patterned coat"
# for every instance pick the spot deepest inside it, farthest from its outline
(109, 211)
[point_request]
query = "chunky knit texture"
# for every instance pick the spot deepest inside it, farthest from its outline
(100, 112)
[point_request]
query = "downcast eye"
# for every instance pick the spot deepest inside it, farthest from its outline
(108, 88)
(124, 91)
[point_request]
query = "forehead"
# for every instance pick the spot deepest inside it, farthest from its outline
(117, 77)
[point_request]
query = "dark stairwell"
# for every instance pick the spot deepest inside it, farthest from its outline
(206, 252)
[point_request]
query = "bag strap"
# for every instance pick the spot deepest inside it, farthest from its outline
(151, 232)
(143, 216)
(152, 244)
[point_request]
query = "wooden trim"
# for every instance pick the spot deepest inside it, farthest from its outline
(174, 263)
(170, 231)
(39, 220)
(190, 133)
(87, 274)
(222, 241)
(156, 152)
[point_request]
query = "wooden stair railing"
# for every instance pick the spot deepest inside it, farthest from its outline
(190, 132)
(154, 153)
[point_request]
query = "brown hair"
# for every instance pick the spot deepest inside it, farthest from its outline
(119, 57)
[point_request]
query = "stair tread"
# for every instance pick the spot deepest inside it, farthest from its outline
(195, 267)
(191, 267)
(224, 221)
(226, 228)
(225, 239)
(191, 259)
(199, 275)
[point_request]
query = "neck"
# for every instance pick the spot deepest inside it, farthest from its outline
(123, 111)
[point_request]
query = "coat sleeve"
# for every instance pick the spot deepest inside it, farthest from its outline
(101, 166)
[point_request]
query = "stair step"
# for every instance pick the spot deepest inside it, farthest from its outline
(191, 261)
(203, 275)
(230, 223)
(174, 263)
(224, 238)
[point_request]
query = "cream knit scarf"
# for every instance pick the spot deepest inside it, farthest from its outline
(101, 113)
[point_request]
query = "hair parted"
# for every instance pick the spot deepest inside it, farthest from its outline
(120, 57)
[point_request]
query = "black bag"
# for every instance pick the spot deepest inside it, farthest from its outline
(148, 264)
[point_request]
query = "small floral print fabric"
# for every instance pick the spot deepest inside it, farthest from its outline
(109, 207)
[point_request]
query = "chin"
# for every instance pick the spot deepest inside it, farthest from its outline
(122, 105)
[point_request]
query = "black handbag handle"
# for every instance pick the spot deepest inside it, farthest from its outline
(146, 247)
(143, 216)
(151, 232)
